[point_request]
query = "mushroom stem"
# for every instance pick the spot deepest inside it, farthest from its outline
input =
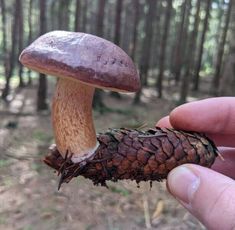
(72, 119)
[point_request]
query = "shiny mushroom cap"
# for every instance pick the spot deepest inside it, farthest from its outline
(84, 57)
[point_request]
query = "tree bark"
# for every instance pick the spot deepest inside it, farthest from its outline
(126, 26)
(63, 14)
(135, 29)
(217, 75)
(163, 48)
(188, 59)
(11, 64)
(30, 35)
(20, 41)
(201, 46)
(100, 18)
(227, 87)
(54, 22)
(117, 34)
(98, 97)
(77, 16)
(42, 86)
(156, 40)
(177, 66)
(220, 17)
(84, 16)
(146, 47)
(109, 21)
(4, 39)
(117, 31)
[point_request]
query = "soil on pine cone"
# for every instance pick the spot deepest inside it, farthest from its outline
(136, 155)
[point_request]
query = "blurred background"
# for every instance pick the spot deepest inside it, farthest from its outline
(184, 51)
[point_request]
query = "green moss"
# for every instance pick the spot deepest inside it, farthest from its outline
(41, 136)
(119, 190)
(4, 163)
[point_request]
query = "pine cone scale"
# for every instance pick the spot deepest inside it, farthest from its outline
(137, 155)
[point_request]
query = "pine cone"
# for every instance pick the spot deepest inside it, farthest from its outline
(137, 155)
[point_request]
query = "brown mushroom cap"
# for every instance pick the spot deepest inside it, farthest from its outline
(82, 57)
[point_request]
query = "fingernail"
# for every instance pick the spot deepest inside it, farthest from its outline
(183, 183)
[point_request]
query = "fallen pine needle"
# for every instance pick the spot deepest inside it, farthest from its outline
(146, 212)
(159, 209)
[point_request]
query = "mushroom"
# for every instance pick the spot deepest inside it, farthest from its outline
(82, 62)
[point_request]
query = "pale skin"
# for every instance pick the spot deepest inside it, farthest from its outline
(209, 194)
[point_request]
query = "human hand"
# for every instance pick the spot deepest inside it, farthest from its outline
(207, 194)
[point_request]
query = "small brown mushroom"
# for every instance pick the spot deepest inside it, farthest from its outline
(82, 62)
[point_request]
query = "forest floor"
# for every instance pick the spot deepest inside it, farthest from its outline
(28, 189)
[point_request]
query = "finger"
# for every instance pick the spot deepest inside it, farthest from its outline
(219, 139)
(223, 139)
(226, 166)
(164, 122)
(208, 195)
(215, 115)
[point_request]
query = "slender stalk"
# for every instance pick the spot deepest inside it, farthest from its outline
(72, 119)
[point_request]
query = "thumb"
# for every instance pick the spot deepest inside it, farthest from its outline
(208, 195)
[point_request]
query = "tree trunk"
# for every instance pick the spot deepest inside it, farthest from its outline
(54, 22)
(157, 35)
(217, 75)
(30, 36)
(135, 29)
(228, 80)
(11, 60)
(20, 42)
(4, 39)
(127, 18)
(77, 16)
(146, 47)
(42, 87)
(100, 18)
(221, 8)
(202, 40)
(117, 31)
(63, 14)
(188, 57)
(98, 97)
(84, 16)
(91, 16)
(163, 47)
(109, 21)
(117, 34)
(179, 45)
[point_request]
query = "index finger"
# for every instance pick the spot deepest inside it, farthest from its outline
(219, 139)
(215, 116)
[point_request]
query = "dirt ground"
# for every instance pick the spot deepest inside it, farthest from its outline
(29, 199)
